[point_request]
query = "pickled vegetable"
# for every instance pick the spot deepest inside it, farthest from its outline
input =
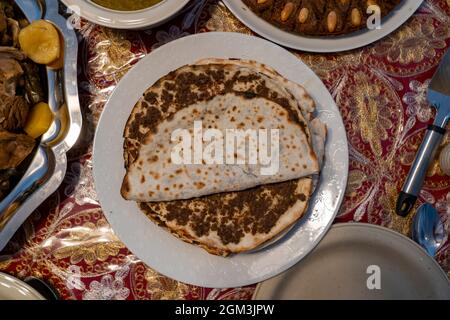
(39, 120)
(40, 42)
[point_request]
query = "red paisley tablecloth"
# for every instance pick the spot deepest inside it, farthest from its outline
(380, 90)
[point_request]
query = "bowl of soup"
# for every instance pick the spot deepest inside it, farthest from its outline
(126, 5)
(126, 14)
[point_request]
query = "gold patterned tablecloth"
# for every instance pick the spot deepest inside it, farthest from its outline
(380, 90)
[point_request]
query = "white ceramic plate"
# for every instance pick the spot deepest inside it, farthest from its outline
(13, 289)
(323, 44)
(166, 253)
(145, 18)
(338, 268)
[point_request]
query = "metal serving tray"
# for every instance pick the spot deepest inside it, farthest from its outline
(48, 167)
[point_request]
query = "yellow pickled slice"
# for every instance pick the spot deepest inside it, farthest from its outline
(58, 63)
(39, 120)
(40, 42)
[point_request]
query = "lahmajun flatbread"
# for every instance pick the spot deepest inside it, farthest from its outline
(224, 221)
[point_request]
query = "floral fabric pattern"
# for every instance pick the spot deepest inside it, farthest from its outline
(380, 90)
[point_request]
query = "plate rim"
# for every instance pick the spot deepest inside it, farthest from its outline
(337, 200)
(365, 225)
(18, 283)
(272, 33)
(148, 17)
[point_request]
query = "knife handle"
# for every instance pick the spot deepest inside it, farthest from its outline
(418, 171)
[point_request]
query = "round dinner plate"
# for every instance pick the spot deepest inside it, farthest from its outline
(12, 288)
(139, 19)
(323, 44)
(158, 248)
(361, 261)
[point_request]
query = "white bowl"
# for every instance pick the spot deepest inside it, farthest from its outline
(139, 19)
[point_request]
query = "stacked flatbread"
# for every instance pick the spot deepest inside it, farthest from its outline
(224, 208)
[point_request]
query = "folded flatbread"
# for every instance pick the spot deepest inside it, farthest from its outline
(279, 152)
(153, 176)
(233, 213)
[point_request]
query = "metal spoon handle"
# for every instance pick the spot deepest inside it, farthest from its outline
(417, 173)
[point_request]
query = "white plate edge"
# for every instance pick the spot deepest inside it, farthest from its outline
(363, 225)
(16, 282)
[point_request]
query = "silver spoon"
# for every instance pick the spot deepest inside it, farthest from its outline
(428, 229)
